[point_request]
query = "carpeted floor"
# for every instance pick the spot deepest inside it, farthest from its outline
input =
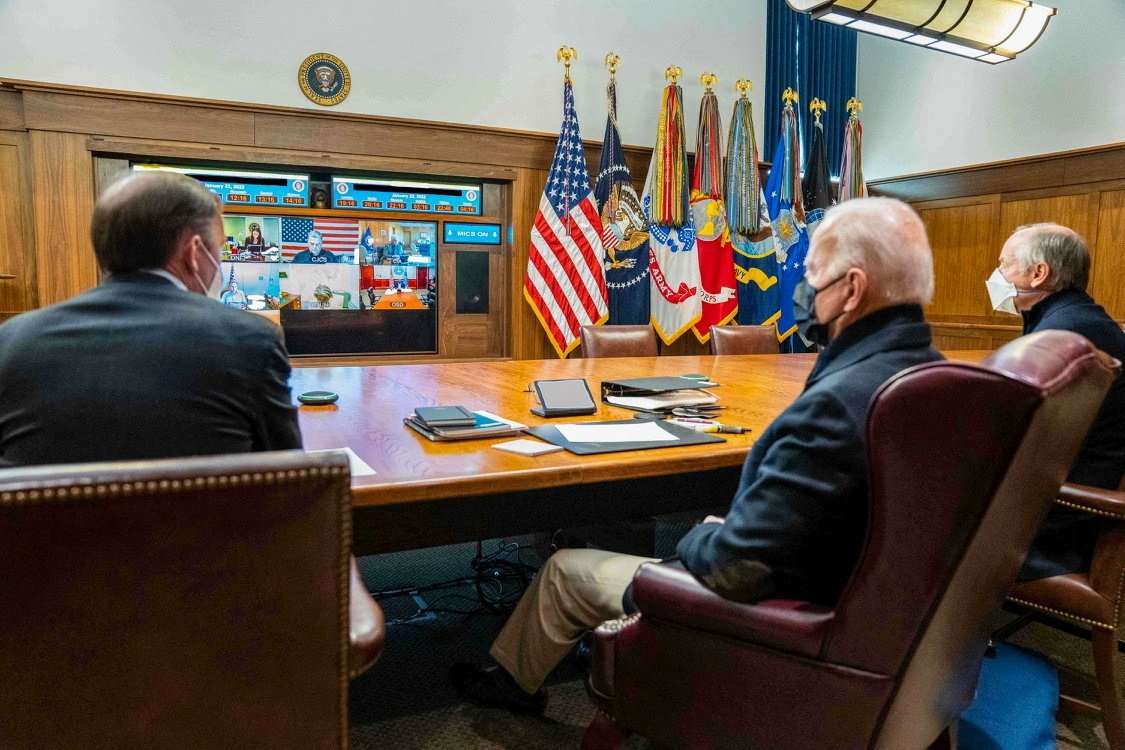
(406, 702)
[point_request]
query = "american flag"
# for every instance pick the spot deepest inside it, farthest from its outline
(565, 283)
(340, 235)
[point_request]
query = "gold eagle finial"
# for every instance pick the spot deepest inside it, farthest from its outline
(742, 85)
(673, 73)
(566, 55)
(708, 80)
(612, 60)
(789, 96)
(854, 107)
(817, 107)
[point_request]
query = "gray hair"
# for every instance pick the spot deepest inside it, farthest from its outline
(1061, 248)
(317, 233)
(886, 238)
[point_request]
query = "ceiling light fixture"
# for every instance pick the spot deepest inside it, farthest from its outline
(992, 31)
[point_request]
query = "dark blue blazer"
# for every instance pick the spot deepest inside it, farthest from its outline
(137, 368)
(798, 520)
(1065, 540)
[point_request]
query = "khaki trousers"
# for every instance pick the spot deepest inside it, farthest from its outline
(576, 590)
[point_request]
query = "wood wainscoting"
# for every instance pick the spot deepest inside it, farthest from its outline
(969, 212)
(56, 142)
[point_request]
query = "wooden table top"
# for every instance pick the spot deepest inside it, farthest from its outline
(374, 400)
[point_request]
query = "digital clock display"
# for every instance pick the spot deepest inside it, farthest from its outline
(408, 197)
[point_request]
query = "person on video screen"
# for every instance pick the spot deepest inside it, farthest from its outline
(255, 242)
(234, 297)
(316, 252)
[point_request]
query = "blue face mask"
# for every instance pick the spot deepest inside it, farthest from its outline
(804, 311)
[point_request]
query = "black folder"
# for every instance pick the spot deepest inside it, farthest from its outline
(684, 435)
(651, 386)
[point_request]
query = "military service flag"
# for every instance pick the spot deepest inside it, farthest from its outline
(818, 184)
(624, 228)
(565, 282)
(673, 262)
(851, 162)
(787, 217)
(718, 296)
(755, 259)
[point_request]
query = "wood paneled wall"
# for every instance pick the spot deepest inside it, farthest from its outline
(52, 139)
(970, 212)
(50, 136)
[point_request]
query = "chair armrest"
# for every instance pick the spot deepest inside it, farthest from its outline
(1107, 503)
(669, 592)
(367, 630)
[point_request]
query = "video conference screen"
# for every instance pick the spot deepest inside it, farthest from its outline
(328, 264)
(341, 285)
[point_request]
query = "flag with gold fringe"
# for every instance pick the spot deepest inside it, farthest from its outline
(755, 258)
(624, 228)
(787, 217)
(718, 293)
(565, 282)
(673, 262)
(851, 162)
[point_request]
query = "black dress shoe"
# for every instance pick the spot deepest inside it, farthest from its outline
(492, 686)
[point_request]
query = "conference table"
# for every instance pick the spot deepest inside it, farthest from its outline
(432, 493)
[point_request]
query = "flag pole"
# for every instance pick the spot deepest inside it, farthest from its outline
(566, 55)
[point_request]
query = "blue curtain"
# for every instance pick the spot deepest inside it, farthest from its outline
(818, 60)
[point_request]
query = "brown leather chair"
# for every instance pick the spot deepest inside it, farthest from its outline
(744, 340)
(619, 341)
(1091, 600)
(187, 603)
(964, 461)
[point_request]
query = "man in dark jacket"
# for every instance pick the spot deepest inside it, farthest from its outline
(1044, 269)
(148, 364)
(798, 519)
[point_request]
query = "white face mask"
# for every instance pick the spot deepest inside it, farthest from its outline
(216, 285)
(1002, 293)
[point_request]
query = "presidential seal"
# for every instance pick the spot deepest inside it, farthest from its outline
(324, 79)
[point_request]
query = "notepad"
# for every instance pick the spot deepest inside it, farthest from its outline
(636, 432)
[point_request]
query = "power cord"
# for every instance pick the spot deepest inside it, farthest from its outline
(500, 578)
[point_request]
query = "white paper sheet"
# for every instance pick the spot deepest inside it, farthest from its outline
(640, 432)
(490, 415)
(527, 447)
(664, 400)
(359, 467)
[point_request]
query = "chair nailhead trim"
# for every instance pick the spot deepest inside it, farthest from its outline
(1088, 509)
(621, 622)
(1060, 613)
(163, 486)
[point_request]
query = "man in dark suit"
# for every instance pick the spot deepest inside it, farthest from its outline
(148, 364)
(1044, 269)
(798, 519)
(316, 252)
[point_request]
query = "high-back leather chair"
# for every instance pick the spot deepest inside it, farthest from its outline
(963, 463)
(1092, 600)
(744, 340)
(619, 341)
(186, 603)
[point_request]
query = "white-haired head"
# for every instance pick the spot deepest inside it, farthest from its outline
(1060, 249)
(883, 237)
